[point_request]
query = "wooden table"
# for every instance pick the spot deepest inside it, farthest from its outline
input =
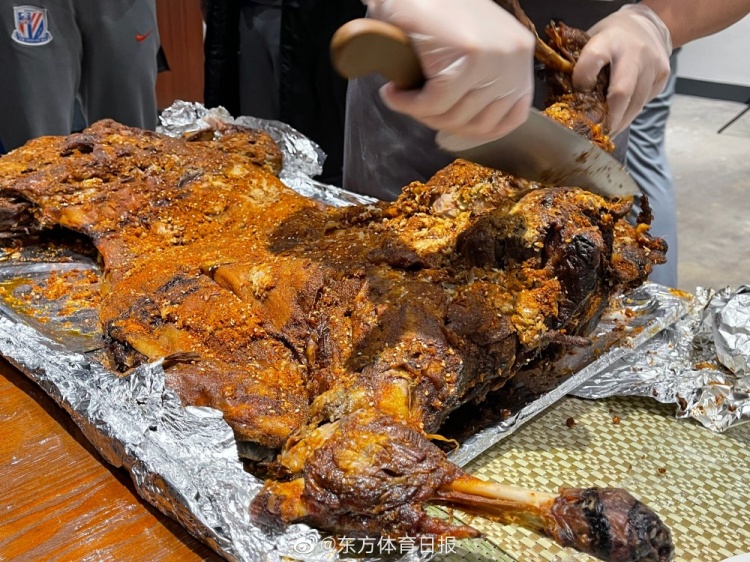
(60, 501)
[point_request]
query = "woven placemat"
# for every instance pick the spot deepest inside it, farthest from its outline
(697, 481)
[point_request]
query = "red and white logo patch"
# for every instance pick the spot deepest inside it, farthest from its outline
(31, 26)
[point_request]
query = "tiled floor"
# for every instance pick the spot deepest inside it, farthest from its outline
(712, 181)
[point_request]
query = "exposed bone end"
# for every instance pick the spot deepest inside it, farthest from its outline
(610, 524)
(368, 474)
(508, 505)
(607, 523)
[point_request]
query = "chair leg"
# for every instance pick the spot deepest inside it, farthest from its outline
(735, 118)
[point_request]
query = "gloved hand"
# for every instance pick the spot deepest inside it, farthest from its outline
(636, 44)
(477, 60)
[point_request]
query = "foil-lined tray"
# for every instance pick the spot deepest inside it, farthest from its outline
(184, 460)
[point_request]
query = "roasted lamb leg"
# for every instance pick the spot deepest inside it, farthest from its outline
(370, 473)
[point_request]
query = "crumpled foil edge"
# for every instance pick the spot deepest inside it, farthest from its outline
(700, 363)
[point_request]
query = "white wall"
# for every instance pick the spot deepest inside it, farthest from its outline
(723, 57)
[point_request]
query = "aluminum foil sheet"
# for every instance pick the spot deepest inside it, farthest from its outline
(700, 363)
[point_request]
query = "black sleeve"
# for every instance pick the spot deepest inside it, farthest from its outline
(313, 95)
(220, 49)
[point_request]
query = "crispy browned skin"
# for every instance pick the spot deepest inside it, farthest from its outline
(164, 214)
(369, 475)
(256, 145)
(206, 253)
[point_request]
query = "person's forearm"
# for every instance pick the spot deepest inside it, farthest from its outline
(691, 19)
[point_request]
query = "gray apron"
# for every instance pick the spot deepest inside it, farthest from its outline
(385, 150)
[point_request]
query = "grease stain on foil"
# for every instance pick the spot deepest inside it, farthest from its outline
(700, 363)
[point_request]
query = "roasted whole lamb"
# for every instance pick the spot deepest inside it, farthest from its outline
(336, 341)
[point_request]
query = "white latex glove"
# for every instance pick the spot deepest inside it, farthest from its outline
(636, 44)
(477, 60)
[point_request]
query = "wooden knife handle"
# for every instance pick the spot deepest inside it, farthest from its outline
(364, 46)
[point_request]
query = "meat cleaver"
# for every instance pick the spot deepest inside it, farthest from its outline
(541, 149)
